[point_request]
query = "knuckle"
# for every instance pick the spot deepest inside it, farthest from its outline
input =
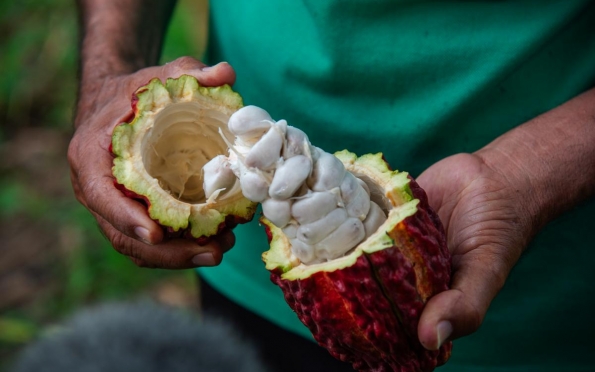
(136, 251)
(475, 318)
(498, 262)
(167, 259)
(72, 154)
(122, 243)
(226, 241)
(141, 77)
(183, 64)
(95, 191)
(87, 188)
(499, 275)
(185, 61)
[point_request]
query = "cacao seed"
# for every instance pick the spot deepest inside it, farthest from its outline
(314, 206)
(349, 185)
(290, 176)
(277, 211)
(359, 205)
(302, 251)
(254, 186)
(345, 237)
(266, 151)
(375, 218)
(290, 230)
(327, 173)
(296, 143)
(249, 122)
(217, 175)
(364, 185)
(314, 232)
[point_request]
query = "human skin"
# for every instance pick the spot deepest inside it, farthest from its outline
(120, 39)
(492, 202)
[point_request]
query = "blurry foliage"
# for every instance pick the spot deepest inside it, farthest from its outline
(38, 59)
(187, 34)
(38, 56)
(70, 264)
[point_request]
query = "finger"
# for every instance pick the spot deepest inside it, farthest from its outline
(172, 254)
(219, 74)
(93, 185)
(478, 277)
(211, 76)
(128, 216)
(226, 240)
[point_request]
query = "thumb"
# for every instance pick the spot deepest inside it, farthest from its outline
(211, 76)
(457, 312)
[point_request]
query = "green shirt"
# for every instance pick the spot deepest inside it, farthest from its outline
(420, 81)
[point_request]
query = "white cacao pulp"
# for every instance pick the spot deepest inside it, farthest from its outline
(323, 209)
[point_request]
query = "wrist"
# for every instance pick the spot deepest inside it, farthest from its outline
(549, 161)
(523, 185)
(121, 37)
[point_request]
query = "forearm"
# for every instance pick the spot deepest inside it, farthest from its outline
(121, 36)
(551, 158)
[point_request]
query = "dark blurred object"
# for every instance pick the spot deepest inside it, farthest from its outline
(140, 337)
(282, 350)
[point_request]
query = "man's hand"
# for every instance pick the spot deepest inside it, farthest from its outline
(103, 104)
(120, 40)
(487, 226)
(494, 201)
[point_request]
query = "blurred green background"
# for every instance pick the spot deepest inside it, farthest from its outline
(53, 258)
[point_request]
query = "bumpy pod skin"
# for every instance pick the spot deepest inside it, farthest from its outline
(209, 107)
(364, 308)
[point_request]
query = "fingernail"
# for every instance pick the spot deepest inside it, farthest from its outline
(143, 234)
(443, 331)
(204, 259)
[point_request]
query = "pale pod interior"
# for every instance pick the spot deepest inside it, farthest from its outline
(323, 208)
(183, 138)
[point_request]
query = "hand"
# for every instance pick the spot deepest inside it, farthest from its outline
(488, 225)
(103, 104)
